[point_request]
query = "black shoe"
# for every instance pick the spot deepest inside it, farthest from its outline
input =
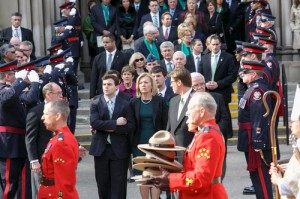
(249, 190)
(80, 87)
(129, 180)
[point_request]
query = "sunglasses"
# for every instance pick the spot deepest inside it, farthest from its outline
(140, 59)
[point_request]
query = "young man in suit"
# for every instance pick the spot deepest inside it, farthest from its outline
(37, 136)
(167, 51)
(159, 74)
(166, 31)
(16, 30)
(113, 121)
(219, 71)
(111, 58)
(103, 17)
(194, 60)
(153, 16)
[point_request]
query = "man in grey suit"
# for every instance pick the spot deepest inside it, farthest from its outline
(181, 84)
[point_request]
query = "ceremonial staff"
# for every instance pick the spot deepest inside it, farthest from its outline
(272, 130)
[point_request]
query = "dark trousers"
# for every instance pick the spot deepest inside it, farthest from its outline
(261, 178)
(11, 170)
(72, 119)
(229, 133)
(111, 175)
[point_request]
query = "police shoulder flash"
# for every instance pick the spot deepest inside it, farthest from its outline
(257, 95)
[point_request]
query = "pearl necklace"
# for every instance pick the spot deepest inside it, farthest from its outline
(146, 102)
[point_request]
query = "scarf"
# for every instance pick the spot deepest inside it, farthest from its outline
(182, 3)
(106, 13)
(162, 8)
(152, 49)
(186, 50)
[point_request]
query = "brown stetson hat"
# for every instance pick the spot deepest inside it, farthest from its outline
(149, 159)
(161, 141)
(143, 166)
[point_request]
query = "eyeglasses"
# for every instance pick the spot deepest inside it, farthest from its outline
(198, 85)
(25, 49)
(172, 81)
(57, 93)
(140, 59)
(12, 52)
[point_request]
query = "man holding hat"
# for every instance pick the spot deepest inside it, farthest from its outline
(203, 159)
(287, 179)
(254, 129)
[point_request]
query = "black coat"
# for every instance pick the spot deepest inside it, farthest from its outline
(126, 22)
(99, 70)
(160, 116)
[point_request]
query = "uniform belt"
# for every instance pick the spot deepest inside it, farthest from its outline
(216, 180)
(71, 39)
(47, 181)
(9, 129)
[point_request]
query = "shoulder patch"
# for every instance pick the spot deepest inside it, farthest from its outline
(257, 95)
(60, 137)
(203, 153)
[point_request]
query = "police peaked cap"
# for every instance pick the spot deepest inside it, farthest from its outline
(252, 48)
(10, 66)
(253, 65)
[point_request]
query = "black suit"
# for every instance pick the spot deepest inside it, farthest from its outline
(37, 136)
(36, 139)
(172, 35)
(99, 70)
(169, 94)
(160, 111)
(26, 36)
(225, 73)
(191, 65)
(111, 160)
(178, 127)
(144, 19)
(143, 10)
(175, 17)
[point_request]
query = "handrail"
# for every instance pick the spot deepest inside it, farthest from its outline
(285, 102)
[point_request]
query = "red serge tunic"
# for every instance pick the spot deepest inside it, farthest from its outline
(59, 163)
(202, 162)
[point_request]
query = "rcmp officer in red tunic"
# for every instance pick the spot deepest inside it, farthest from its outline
(253, 133)
(59, 161)
(203, 159)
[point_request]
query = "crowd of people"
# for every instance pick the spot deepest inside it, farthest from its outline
(148, 59)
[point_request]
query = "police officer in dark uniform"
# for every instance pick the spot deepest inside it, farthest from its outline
(12, 126)
(63, 74)
(242, 87)
(75, 37)
(254, 16)
(253, 134)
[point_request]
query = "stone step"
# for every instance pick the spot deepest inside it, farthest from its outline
(82, 119)
(84, 111)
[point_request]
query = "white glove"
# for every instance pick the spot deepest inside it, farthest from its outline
(48, 69)
(59, 51)
(60, 66)
(68, 27)
(70, 59)
(73, 12)
(33, 76)
(81, 43)
(21, 74)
